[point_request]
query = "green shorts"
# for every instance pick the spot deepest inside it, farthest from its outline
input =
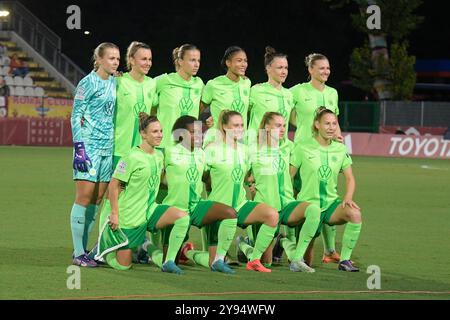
(155, 216)
(244, 211)
(297, 182)
(286, 212)
(199, 212)
(326, 215)
(136, 236)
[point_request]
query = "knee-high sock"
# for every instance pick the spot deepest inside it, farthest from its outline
(111, 259)
(262, 241)
(226, 232)
(204, 237)
(199, 257)
(155, 253)
(250, 235)
(155, 238)
(289, 247)
(290, 233)
(246, 249)
(77, 223)
(312, 220)
(351, 235)
(329, 238)
(91, 214)
(177, 235)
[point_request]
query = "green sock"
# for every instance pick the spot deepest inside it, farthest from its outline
(199, 257)
(77, 223)
(267, 265)
(246, 249)
(176, 238)
(312, 220)
(289, 247)
(351, 235)
(226, 232)
(290, 233)
(249, 230)
(263, 240)
(155, 253)
(113, 263)
(155, 238)
(329, 238)
(204, 236)
(91, 213)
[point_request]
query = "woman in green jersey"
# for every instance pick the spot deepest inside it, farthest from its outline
(270, 171)
(184, 167)
(308, 97)
(179, 92)
(228, 165)
(136, 92)
(320, 160)
(229, 91)
(271, 96)
(133, 209)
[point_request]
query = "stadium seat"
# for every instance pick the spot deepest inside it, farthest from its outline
(4, 61)
(12, 91)
(29, 92)
(27, 81)
(18, 81)
(38, 92)
(5, 70)
(9, 81)
(19, 91)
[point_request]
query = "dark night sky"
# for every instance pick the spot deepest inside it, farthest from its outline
(293, 27)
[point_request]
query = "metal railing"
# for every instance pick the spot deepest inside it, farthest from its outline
(415, 113)
(41, 38)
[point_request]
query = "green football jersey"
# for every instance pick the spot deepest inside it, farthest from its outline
(141, 173)
(265, 98)
(270, 168)
(306, 101)
(319, 170)
(132, 97)
(228, 168)
(184, 170)
(222, 93)
(177, 97)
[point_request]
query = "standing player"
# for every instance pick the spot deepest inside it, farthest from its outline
(184, 164)
(133, 209)
(308, 97)
(135, 93)
(227, 163)
(93, 137)
(230, 91)
(270, 170)
(179, 92)
(271, 96)
(320, 160)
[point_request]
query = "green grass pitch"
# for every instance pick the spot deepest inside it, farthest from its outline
(406, 227)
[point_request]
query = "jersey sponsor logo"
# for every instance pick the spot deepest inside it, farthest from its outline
(238, 105)
(152, 181)
(279, 165)
(139, 107)
(108, 108)
(185, 105)
(121, 168)
(324, 173)
(236, 175)
(192, 175)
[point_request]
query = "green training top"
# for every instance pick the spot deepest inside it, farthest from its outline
(132, 97)
(228, 168)
(306, 100)
(184, 170)
(265, 98)
(319, 169)
(270, 168)
(222, 93)
(141, 173)
(177, 97)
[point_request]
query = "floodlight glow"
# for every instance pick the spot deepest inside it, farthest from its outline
(4, 13)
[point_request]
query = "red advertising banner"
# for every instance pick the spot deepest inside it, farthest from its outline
(35, 132)
(391, 145)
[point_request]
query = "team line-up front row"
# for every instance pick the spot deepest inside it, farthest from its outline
(116, 131)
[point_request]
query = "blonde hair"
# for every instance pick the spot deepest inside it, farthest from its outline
(224, 118)
(268, 116)
(311, 59)
(132, 49)
(179, 52)
(99, 52)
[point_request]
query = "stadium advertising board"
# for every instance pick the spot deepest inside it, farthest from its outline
(39, 107)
